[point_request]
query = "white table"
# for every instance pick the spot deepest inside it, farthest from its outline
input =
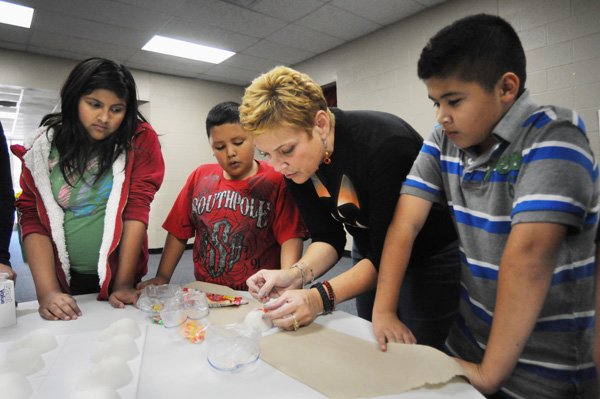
(173, 368)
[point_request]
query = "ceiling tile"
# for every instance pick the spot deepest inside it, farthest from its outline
(156, 5)
(239, 74)
(305, 39)
(383, 12)
(288, 10)
(108, 12)
(230, 17)
(156, 60)
(56, 42)
(51, 21)
(251, 63)
(278, 52)
(347, 26)
(183, 29)
(14, 34)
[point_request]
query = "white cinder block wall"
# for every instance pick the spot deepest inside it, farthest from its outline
(561, 39)
(177, 108)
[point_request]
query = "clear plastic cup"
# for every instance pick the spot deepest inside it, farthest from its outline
(153, 297)
(196, 304)
(232, 347)
(173, 312)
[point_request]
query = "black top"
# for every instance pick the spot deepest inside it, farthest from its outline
(373, 152)
(7, 201)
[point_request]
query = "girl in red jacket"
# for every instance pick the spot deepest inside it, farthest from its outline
(89, 175)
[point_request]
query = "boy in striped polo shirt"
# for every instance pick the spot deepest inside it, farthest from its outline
(521, 183)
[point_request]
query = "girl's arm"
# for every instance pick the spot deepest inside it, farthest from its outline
(123, 290)
(54, 304)
(147, 174)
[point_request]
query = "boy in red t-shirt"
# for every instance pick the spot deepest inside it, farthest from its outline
(239, 211)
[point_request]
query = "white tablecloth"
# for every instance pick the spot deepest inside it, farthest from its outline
(173, 368)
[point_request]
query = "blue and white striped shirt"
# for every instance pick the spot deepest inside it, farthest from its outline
(540, 170)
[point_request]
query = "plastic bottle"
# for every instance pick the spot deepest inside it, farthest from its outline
(8, 306)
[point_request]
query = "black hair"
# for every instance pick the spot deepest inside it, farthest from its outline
(222, 113)
(478, 48)
(75, 147)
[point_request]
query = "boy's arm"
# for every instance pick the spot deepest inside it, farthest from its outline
(291, 251)
(409, 217)
(172, 252)
(524, 279)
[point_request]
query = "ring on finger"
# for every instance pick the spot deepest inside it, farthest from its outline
(295, 325)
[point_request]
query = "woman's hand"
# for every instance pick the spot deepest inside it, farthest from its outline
(123, 296)
(388, 328)
(57, 305)
(266, 284)
(294, 308)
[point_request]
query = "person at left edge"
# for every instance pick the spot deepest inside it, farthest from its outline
(89, 175)
(7, 208)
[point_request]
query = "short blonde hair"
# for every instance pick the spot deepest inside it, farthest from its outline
(282, 97)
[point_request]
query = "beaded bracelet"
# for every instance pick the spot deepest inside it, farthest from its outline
(328, 304)
(330, 293)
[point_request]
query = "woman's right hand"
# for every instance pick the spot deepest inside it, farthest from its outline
(58, 306)
(266, 284)
(388, 328)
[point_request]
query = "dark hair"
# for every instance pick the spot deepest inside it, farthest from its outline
(478, 48)
(222, 113)
(74, 145)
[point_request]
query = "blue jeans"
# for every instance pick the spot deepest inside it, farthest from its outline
(428, 299)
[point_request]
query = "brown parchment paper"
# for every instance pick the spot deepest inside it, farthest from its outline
(342, 366)
(228, 314)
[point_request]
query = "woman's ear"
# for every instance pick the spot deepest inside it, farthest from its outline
(322, 122)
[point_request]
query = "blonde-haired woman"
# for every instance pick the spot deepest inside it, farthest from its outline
(345, 170)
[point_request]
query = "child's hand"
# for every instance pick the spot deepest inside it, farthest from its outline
(57, 305)
(123, 296)
(388, 328)
(158, 280)
(12, 275)
(476, 375)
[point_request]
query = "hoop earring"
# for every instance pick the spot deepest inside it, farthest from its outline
(327, 159)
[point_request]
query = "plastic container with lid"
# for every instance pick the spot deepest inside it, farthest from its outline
(8, 305)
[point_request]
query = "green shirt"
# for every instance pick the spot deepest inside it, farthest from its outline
(84, 205)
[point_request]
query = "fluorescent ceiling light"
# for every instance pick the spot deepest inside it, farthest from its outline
(14, 14)
(193, 51)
